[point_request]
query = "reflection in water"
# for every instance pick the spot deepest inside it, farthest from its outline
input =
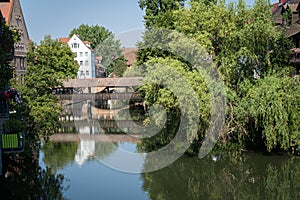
(234, 176)
(86, 151)
(58, 155)
(104, 149)
(83, 117)
(53, 151)
(25, 179)
(224, 176)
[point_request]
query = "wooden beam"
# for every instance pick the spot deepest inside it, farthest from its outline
(102, 96)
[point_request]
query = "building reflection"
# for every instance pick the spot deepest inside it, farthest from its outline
(85, 151)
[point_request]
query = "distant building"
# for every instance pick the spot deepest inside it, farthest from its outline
(286, 13)
(100, 69)
(130, 55)
(85, 56)
(13, 15)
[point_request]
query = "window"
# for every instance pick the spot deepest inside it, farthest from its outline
(87, 72)
(75, 45)
(17, 62)
(22, 63)
(86, 63)
(86, 53)
(75, 53)
(81, 73)
(81, 63)
(81, 54)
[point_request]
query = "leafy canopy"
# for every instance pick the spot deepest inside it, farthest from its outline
(252, 58)
(48, 64)
(95, 34)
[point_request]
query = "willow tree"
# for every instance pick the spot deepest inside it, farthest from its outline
(246, 49)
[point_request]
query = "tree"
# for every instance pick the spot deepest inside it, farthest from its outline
(6, 53)
(245, 48)
(48, 65)
(271, 110)
(119, 66)
(155, 9)
(94, 34)
(111, 52)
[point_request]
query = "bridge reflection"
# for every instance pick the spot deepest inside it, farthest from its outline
(73, 137)
(97, 132)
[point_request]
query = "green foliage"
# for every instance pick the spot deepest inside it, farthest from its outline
(273, 103)
(48, 64)
(119, 67)
(156, 9)
(112, 58)
(239, 39)
(6, 53)
(94, 34)
(13, 125)
(252, 58)
(176, 100)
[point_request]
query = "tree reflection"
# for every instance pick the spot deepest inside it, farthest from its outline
(104, 149)
(234, 176)
(59, 155)
(24, 179)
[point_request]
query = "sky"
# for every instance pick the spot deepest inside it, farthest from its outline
(58, 17)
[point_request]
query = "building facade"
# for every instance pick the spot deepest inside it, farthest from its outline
(13, 15)
(85, 56)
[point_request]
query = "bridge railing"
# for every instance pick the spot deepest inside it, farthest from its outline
(102, 96)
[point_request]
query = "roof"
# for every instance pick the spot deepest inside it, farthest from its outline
(295, 29)
(64, 40)
(86, 43)
(130, 55)
(277, 15)
(6, 8)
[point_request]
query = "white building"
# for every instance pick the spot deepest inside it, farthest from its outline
(85, 56)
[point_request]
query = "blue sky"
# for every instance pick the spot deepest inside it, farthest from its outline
(58, 17)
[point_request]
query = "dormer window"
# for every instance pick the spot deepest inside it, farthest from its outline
(18, 18)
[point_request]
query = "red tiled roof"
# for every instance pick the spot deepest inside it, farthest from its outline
(64, 40)
(6, 8)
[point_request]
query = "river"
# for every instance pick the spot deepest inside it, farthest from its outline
(88, 155)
